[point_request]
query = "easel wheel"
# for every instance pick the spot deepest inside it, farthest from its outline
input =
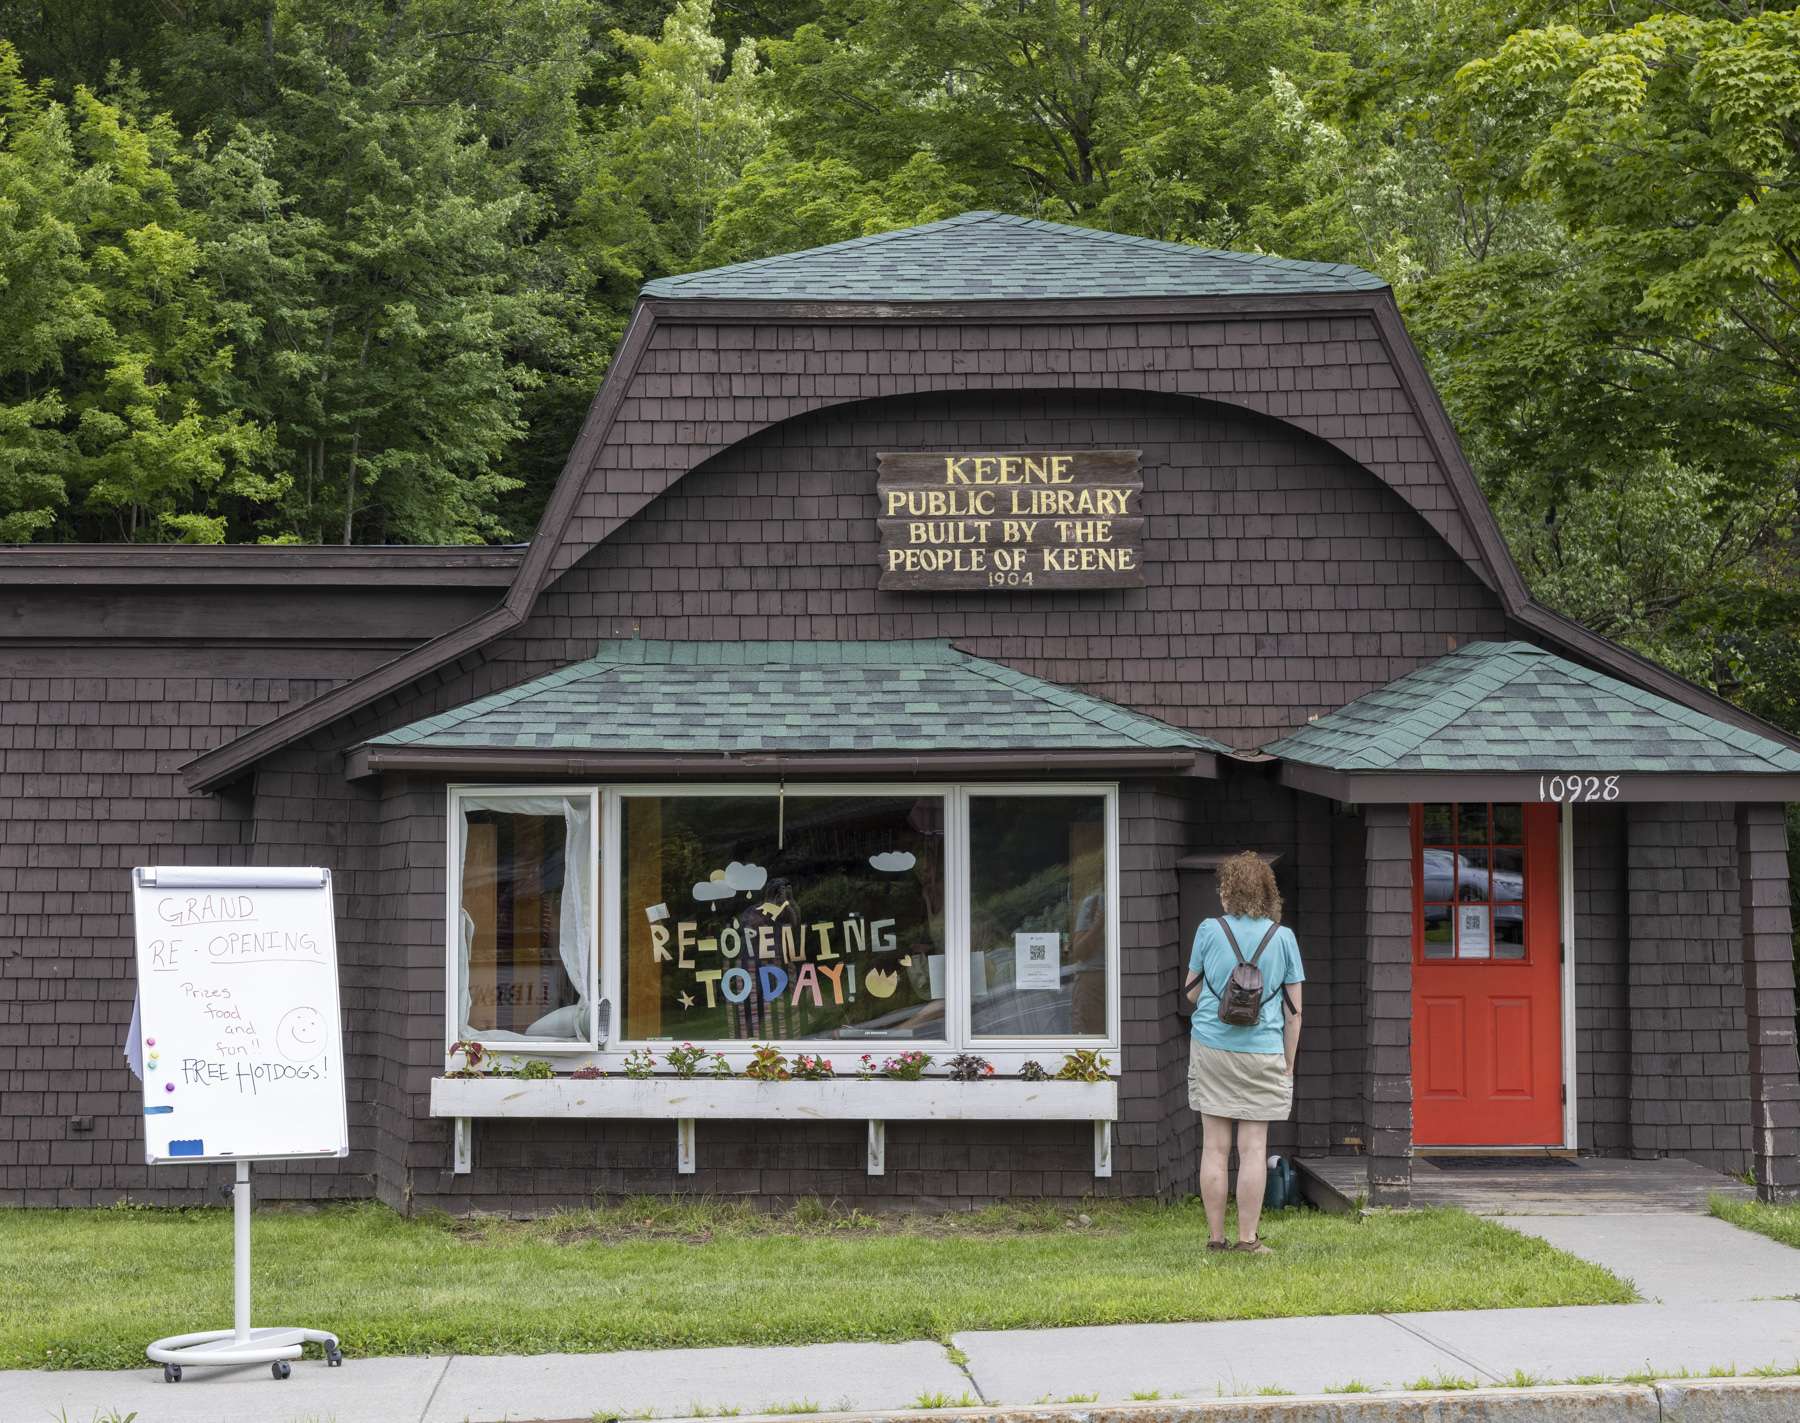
(171, 1373)
(280, 1368)
(334, 1358)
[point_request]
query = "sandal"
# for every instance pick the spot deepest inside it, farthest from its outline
(1217, 1245)
(1252, 1247)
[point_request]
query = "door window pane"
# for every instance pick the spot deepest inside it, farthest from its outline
(524, 931)
(1472, 823)
(1509, 874)
(1437, 824)
(1438, 923)
(1509, 931)
(1037, 916)
(1509, 824)
(1472, 875)
(1474, 931)
(763, 917)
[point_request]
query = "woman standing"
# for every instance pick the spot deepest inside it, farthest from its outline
(1242, 1073)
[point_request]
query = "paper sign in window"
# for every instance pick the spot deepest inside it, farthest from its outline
(1037, 960)
(1474, 932)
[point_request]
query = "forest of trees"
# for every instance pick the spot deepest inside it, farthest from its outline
(350, 270)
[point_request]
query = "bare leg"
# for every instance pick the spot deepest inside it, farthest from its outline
(1215, 1171)
(1253, 1175)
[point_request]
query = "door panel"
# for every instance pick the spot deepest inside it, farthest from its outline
(1510, 1044)
(1487, 977)
(1444, 1066)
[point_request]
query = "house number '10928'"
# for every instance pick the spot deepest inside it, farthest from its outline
(1577, 788)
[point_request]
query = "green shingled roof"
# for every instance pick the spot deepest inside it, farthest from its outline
(982, 256)
(1509, 706)
(701, 697)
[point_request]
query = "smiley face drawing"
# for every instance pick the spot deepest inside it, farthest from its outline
(300, 1035)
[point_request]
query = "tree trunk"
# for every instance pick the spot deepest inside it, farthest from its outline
(362, 362)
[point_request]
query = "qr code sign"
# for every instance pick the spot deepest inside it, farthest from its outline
(1037, 953)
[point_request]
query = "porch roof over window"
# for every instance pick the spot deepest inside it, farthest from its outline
(646, 707)
(1493, 718)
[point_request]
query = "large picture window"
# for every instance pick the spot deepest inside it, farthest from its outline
(788, 917)
(1037, 916)
(604, 919)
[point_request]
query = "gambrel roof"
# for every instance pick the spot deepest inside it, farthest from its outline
(792, 334)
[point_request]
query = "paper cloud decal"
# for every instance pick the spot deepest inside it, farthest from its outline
(748, 878)
(893, 862)
(735, 878)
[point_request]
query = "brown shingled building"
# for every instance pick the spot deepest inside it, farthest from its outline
(915, 623)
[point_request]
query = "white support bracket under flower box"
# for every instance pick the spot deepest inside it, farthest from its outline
(687, 1100)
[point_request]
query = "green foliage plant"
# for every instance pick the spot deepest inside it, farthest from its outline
(767, 1064)
(1084, 1065)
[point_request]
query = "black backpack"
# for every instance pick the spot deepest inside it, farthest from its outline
(1241, 1003)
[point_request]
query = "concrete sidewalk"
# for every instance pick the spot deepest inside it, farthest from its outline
(1110, 1364)
(1717, 1298)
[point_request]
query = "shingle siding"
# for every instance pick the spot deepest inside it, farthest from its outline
(1689, 1059)
(706, 385)
(1285, 580)
(1766, 930)
(1602, 958)
(89, 787)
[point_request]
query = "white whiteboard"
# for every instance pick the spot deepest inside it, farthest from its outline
(242, 1044)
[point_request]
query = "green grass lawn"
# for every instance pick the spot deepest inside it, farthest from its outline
(1777, 1222)
(89, 1288)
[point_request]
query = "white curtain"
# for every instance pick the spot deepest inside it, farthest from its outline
(575, 930)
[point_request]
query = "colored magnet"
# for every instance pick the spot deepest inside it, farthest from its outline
(196, 1147)
(168, 1086)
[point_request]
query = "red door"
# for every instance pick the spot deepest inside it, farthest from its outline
(1487, 979)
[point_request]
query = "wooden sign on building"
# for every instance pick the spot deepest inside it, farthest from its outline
(1034, 519)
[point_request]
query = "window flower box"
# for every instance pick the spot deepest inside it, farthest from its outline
(687, 1100)
(729, 1098)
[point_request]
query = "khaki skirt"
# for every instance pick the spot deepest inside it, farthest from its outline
(1245, 1086)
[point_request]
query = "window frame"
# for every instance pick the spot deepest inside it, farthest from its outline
(453, 867)
(996, 1048)
(606, 973)
(1492, 845)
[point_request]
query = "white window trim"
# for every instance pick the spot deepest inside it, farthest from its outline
(453, 967)
(1007, 1054)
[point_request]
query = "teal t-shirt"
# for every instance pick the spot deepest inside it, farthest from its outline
(1213, 960)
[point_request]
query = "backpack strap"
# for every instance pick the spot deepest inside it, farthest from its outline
(1200, 973)
(1273, 930)
(1231, 938)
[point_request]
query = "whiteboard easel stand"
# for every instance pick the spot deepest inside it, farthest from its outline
(241, 1344)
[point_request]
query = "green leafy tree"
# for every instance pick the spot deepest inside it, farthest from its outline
(785, 204)
(1153, 116)
(375, 226)
(1650, 337)
(117, 405)
(686, 125)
